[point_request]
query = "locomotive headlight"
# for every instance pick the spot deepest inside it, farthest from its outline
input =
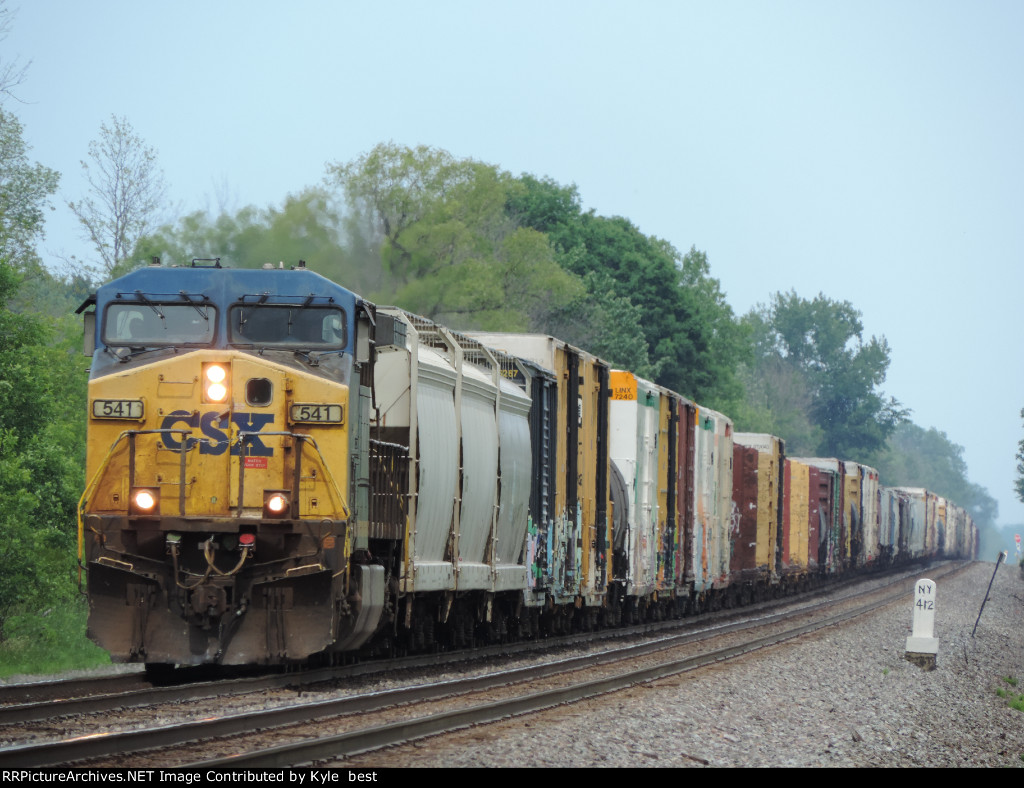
(275, 504)
(215, 387)
(145, 500)
(215, 373)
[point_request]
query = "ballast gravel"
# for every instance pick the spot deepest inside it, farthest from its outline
(842, 697)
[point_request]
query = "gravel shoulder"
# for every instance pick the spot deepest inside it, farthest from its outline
(842, 697)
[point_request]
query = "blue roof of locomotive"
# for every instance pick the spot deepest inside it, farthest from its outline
(226, 286)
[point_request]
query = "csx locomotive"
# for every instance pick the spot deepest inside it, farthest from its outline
(279, 470)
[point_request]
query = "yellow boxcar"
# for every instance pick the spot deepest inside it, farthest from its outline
(797, 506)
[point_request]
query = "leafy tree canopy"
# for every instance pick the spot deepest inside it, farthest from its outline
(42, 394)
(693, 341)
(446, 246)
(25, 192)
(42, 450)
(815, 350)
(306, 227)
(467, 244)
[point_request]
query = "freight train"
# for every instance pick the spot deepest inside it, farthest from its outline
(279, 470)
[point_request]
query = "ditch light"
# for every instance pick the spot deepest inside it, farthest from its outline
(276, 504)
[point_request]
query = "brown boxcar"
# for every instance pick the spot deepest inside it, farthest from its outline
(825, 531)
(758, 481)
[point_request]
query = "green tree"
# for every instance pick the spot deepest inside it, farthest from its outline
(604, 323)
(126, 190)
(307, 226)
(42, 447)
(918, 457)
(42, 395)
(446, 246)
(399, 193)
(1019, 483)
(25, 192)
(694, 342)
(722, 342)
(777, 400)
(820, 344)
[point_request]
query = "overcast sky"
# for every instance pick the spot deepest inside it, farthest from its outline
(871, 151)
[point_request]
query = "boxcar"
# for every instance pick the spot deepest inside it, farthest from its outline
(917, 526)
(889, 502)
(639, 467)
(864, 532)
(708, 543)
(827, 481)
(758, 484)
(799, 553)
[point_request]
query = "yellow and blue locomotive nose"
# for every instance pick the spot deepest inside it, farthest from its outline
(219, 464)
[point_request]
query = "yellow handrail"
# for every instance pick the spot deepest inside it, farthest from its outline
(87, 494)
(330, 476)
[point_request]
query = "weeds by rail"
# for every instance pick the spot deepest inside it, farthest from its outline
(49, 641)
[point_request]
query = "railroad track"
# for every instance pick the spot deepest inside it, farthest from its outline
(33, 701)
(316, 730)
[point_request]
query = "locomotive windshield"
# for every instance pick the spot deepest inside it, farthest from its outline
(291, 326)
(152, 323)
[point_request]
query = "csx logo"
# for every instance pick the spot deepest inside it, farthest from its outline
(209, 424)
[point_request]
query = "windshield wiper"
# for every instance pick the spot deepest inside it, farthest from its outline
(126, 354)
(150, 304)
(313, 357)
(194, 305)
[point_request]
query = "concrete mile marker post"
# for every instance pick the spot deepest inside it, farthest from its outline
(922, 647)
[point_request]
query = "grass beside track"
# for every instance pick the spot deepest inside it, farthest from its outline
(49, 641)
